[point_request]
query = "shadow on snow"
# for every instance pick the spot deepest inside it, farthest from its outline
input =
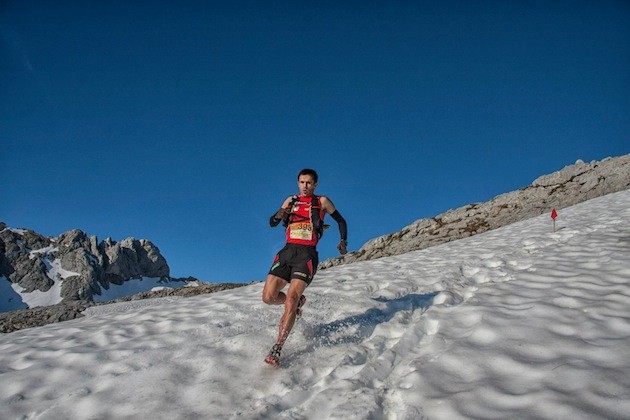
(356, 328)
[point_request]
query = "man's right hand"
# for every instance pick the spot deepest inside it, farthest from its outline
(281, 214)
(343, 247)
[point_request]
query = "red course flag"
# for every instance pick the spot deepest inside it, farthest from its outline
(554, 214)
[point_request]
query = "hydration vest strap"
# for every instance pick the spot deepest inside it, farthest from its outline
(289, 220)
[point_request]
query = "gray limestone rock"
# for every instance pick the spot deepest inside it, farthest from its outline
(132, 258)
(571, 185)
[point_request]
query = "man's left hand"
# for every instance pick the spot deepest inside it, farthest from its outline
(343, 247)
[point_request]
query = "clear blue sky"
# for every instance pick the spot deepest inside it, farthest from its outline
(186, 123)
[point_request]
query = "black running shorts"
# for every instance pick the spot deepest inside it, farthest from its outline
(295, 262)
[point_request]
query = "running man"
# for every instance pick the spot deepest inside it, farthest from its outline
(296, 263)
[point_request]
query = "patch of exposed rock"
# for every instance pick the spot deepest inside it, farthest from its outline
(571, 185)
(65, 311)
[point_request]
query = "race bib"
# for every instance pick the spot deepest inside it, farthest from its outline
(302, 231)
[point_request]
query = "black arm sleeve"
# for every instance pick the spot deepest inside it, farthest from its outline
(273, 222)
(343, 228)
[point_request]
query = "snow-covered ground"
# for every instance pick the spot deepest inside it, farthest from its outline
(10, 300)
(519, 322)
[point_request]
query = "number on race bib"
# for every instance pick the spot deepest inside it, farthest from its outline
(303, 231)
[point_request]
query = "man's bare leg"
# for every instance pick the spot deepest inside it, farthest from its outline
(291, 301)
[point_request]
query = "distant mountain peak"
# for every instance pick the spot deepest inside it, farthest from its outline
(72, 266)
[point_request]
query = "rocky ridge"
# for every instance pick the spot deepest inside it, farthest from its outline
(571, 185)
(35, 262)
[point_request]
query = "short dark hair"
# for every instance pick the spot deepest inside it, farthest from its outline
(310, 172)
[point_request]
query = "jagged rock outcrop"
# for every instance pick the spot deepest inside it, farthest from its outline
(571, 185)
(131, 258)
(35, 262)
(17, 262)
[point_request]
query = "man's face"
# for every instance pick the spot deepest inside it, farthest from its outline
(306, 185)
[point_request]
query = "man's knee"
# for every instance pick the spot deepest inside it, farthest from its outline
(272, 290)
(269, 297)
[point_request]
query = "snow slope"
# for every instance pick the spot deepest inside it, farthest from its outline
(519, 322)
(10, 300)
